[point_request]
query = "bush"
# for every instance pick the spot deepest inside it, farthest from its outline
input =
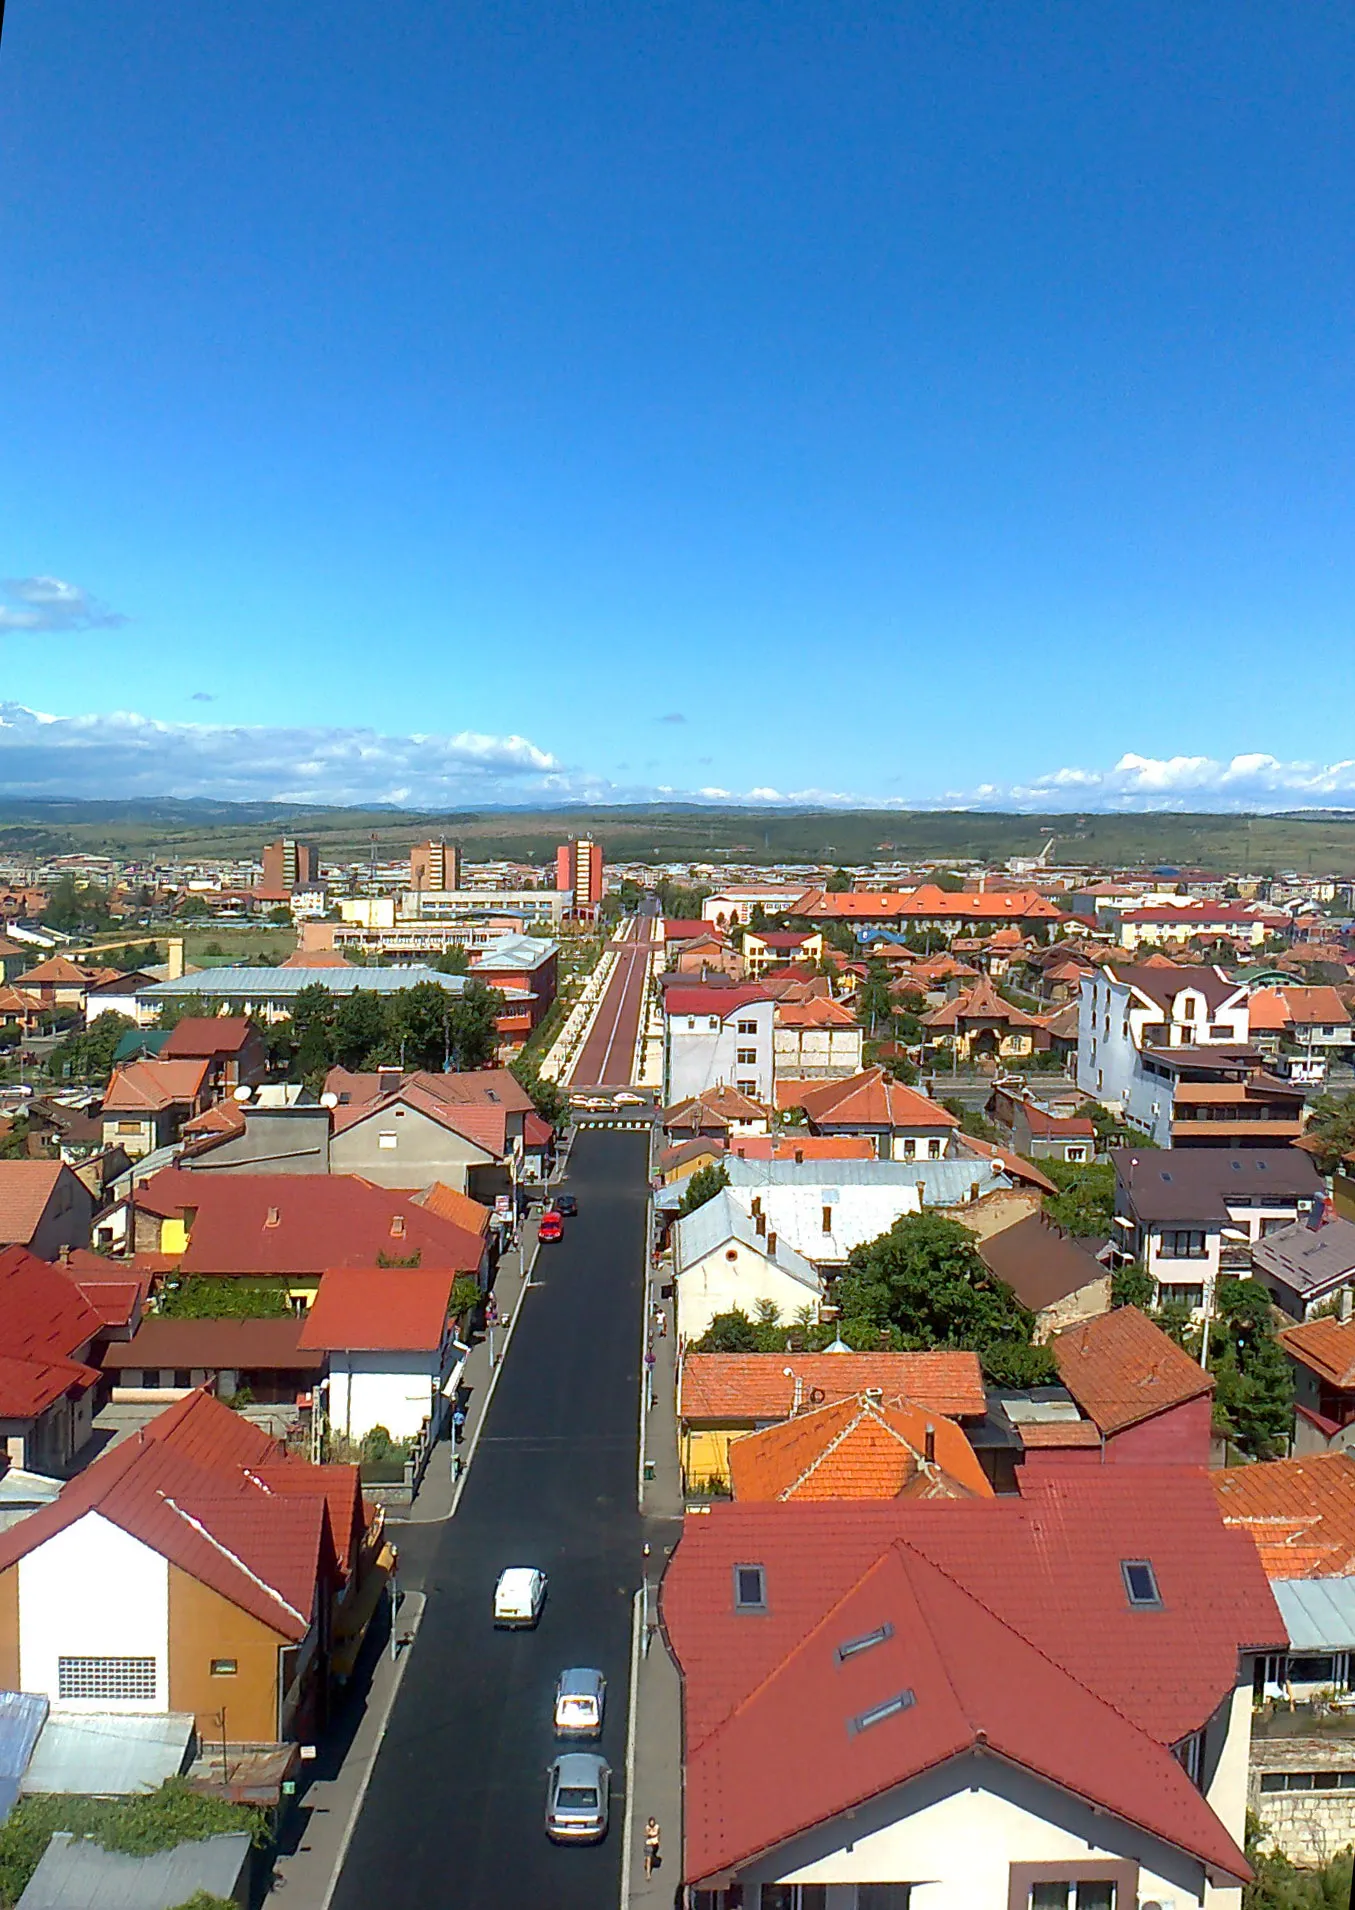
(205, 1297)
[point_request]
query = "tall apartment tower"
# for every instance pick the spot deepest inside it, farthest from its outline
(434, 865)
(289, 864)
(578, 868)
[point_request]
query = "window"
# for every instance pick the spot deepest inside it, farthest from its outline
(909, 1148)
(793, 1896)
(120, 1680)
(747, 1027)
(1188, 1008)
(1140, 1583)
(853, 1647)
(712, 1021)
(1189, 1754)
(1182, 1243)
(224, 1667)
(1068, 1895)
(933, 1150)
(1308, 1780)
(1075, 1154)
(387, 1139)
(747, 1087)
(747, 1057)
(691, 1023)
(887, 1708)
(750, 1588)
(183, 1378)
(883, 1896)
(1180, 1293)
(1311, 1668)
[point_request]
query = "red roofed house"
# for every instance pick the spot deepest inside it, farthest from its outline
(1302, 1029)
(1040, 1132)
(904, 1123)
(980, 1026)
(467, 1130)
(1019, 1701)
(816, 1039)
(192, 1568)
(148, 1101)
(59, 982)
(1151, 1402)
(961, 912)
(231, 1046)
(47, 1374)
(857, 1448)
(776, 948)
(394, 1358)
(718, 1036)
(45, 1206)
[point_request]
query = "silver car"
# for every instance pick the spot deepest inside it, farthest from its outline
(579, 1699)
(578, 1788)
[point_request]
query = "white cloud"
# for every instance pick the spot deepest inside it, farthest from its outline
(1253, 780)
(49, 603)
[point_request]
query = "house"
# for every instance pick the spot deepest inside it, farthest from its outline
(722, 1397)
(798, 1146)
(19, 1009)
(190, 1568)
(1051, 1275)
(730, 906)
(717, 1036)
(167, 1357)
(765, 949)
(965, 913)
(14, 958)
(231, 1046)
(278, 1130)
(717, 1114)
(526, 968)
(59, 983)
(857, 1448)
(475, 1131)
(1027, 1696)
(903, 1123)
(979, 1026)
(815, 1039)
(1151, 1403)
(43, 1206)
(1192, 1216)
(115, 993)
(1127, 1012)
(1302, 1030)
(1322, 1355)
(1189, 920)
(685, 1158)
(1305, 1266)
(723, 1260)
(291, 1228)
(705, 951)
(1220, 1097)
(1040, 1131)
(148, 1102)
(391, 1346)
(47, 1372)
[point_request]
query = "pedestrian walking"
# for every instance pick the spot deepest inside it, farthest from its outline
(458, 1423)
(652, 1857)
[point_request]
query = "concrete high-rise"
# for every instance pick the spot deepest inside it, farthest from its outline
(434, 865)
(579, 869)
(289, 864)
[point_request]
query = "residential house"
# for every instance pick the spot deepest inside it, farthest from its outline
(1185, 921)
(903, 1123)
(47, 1375)
(723, 1397)
(1306, 1266)
(1150, 1402)
(979, 1026)
(191, 1568)
(857, 1448)
(685, 1158)
(148, 1102)
(815, 1039)
(19, 1009)
(231, 1046)
(717, 1114)
(476, 1131)
(723, 1261)
(43, 1206)
(1217, 1097)
(765, 949)
(1128, 1013)
(14, 958)
(391, 1348)
(798, 1146)
(1041, 1131)
(116, 993)
(1051, 1275)
(1192, 1216)
(1030, 1698)
(1322, 1356)
(717, 1037)
(1302, 1030)
(167, 1357)
(59, 983)
(697, 949)
(279, 1130)
(928, 908)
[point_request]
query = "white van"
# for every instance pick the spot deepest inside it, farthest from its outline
(519, 1595)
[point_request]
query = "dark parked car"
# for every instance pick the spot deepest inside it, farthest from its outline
(567, 1205)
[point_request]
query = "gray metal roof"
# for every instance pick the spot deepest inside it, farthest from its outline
(944, 1183)
(105, 1754)
(21, 1718)
(76, 1874)
(1319, 1613)
(724, 1219)
(282, 984)
(1311, 1260)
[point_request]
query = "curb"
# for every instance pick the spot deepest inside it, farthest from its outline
(628, 1816)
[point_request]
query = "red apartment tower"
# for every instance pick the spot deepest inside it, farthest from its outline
(434, 865)
(289, 865)
(578, 868)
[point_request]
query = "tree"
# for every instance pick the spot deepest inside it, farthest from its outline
(1085, 1202)
(452, 961)
(875, 1000)
(703, 1185)
(838, 883)
(1132, 1285)
(358, 1030)
(89, 1055)
(971, 1121)
(280, 916)
(731, 1332)
(75, 907)
(1333, 1126)
(192, 908)
(1254, 1383)
(314, 1013)
(548, 1097)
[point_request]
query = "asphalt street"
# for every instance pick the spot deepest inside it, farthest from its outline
(454, 1813)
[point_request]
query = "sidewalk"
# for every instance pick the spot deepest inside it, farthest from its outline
(655, 1778)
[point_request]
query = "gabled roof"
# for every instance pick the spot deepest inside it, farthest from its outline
(1296, 1007)
(380, 1309)
(199, 1036)
(189, 1487)
(870, 1099)
(1314, 1261)
(733, 1386)
(722, 1219)
(1039, 1262)
(58, 970)
(148, 1087)
(815, 1012)
(717, 1107)
(1009, 1626)
(1325, 1346)
(1161, 981)
(448, 1204)
(979, 1003)
(1121, 1369)
(1194, 1184)
(704, 998)
(1300, 1512)
(857, 1448)
(25, 1189)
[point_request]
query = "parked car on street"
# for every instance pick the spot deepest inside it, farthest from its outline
(578, 1787)
(567, 1205)
(519, 1596)
(579, 1699)
(552, 1225)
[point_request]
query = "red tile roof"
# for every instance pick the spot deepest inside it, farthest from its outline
(380, 1309)
(810, 1147)
(992, 905)
(45, 1324)
(734, 1386)
(706, 999)
(207, 1036)
(25, 1189)
(475, 1105)
(1300, 1512)
(857, 1448)
(1121, 1368)
(1327, 1346)
(147, 1087)
(871, 1099)
(1010, 1627)
(300, 1224)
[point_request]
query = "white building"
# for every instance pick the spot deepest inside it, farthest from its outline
(394, 1357)
(718, 1036)
(724, 1260)
(1124, 1012)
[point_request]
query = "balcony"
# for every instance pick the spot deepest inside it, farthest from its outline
(1312, 1718)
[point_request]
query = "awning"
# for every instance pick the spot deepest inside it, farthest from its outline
(354, 1620)
(453, 1379)
(1319, 1613)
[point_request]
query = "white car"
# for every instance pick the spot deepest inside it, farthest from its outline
(519, 1596)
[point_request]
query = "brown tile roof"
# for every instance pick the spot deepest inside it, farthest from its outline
(716, 1107)
(25, 1189)
(857, 1449)
(1038, 1262)
(197, 1036)
(147, 1087)
(1327, 1346)
(1121, 1368)
(870, 1099)
(1301, 1513)
(733, 1386)
(809, 1147)
(212, 1345)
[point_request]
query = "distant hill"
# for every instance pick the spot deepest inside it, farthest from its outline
(1320, 842)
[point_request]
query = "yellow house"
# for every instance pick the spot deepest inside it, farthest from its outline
(777, 948)
(980, 1026)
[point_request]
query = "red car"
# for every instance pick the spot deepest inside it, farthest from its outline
(552, 1226)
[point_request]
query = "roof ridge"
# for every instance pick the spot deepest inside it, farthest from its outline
(862, 1410)
(226, 1552)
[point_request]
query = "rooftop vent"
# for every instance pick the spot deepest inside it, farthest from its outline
(273, 1218)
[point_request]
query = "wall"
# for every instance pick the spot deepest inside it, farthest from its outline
(202, 1626)
(1311, 1826)
(1088, 1303)
(393, 1390)
(717, 1284)
(424, 1151)
(93, 1591)
(1179, 1437)
(698, 1056)
(9, 1629)
(67, 1220)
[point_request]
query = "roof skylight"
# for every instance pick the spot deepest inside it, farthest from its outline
(1140, 1584)
(854, 1646)
(903, 1701)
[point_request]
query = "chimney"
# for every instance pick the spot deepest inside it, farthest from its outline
(930, 1447)
(388, 1080)
(799, 1157)
(973, 1190)
(1347, 1303)
(760, 1222)
(757, 1205)
(771, 1246)
(174, 958)
(273, 1218)
(397, 1226)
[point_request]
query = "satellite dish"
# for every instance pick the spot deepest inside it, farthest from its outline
(242, 1094)
(999, 1165)
(330, 1100)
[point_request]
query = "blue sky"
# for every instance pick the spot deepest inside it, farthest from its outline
(898, 402)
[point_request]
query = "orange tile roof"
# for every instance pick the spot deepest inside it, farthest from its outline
(145, 1087)
(815, 1012)
(809, 1147)
(1327, 1346)
(379, 1309)
(980, 1003)
(448, 1204)
(1301, 1513)
(871, 1099)
(1121, 1368)
(733, 1386)
(857, 1449)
